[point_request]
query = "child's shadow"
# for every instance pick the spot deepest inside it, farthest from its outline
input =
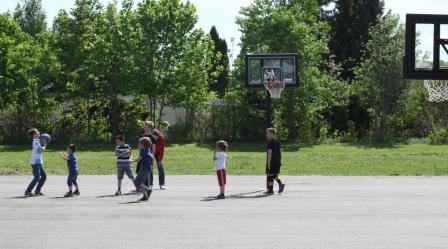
(19, 197)
(111, 196)
(247, 195)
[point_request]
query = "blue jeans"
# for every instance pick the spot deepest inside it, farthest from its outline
(39, 178)
(142, 177)
(161, 174)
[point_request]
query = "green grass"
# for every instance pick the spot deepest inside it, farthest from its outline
(249, 159)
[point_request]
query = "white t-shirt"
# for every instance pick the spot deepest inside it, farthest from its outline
(36, 153)
(220, 162)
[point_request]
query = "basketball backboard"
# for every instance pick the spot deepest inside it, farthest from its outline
(261, 68)
(426, 54)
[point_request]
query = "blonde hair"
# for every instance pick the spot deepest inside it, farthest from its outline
(272, 130)
(149, 124)
(222, 145)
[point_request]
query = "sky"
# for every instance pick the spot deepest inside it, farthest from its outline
(222, 13)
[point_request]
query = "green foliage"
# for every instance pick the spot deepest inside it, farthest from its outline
(379, 83)
(31, 17)
(220, 70)
(439, 136)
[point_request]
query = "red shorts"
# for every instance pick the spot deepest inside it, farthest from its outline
(221, 177)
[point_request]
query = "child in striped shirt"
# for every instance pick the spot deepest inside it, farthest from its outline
(124, 154)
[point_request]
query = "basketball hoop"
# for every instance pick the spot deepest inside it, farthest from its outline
(275, 88)
(437, 90)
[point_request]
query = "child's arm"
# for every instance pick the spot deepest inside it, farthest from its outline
(136, 160)
(63, 156)
(214, 156)
(269, 158)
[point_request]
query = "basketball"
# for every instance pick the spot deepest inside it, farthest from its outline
(45, 138)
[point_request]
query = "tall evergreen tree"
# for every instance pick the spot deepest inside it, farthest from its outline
(350, 25)
(350, 31)
(31, 16)
(219, 73)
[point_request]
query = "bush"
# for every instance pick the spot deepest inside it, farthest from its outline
(439, 136)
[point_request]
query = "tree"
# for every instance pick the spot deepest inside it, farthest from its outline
(350, 31)
(379, 83)
(219, 73)
(297, 23)
(31, 17)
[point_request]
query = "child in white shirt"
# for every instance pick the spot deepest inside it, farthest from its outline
(220, 165)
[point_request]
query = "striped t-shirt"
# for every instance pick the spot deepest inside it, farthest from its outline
(123, 158)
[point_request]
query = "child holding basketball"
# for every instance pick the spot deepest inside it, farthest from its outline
(145, 160)
(72, 170)
(124, 154)
(37, 164)
(274, 162)
(220, 165)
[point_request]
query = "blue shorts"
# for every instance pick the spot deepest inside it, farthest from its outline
(122, 170)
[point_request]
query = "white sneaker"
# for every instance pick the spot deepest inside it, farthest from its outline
(162, 187)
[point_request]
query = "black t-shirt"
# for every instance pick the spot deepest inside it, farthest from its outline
(151, 137)
(274, 145)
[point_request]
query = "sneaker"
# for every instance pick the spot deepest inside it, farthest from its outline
(28, 194)
(148, 191)
(143, 199)
(39, 194)
(162, 187)
(220, 197)
(281, 188)
(269, 192)
(118, 193)
(69, 194)
(76, 192)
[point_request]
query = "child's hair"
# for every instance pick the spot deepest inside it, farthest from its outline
(146, 142)
(150, 124)
(272, 130)
(222, 145)
(72, 148)
(31, 132)
(120, 137)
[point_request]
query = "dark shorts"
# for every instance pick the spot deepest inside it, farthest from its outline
(222, 179)
(275, 169)
(71, 179)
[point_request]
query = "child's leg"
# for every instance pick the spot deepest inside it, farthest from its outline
(221, 174)
(70, 182)
(120, 174)
(75, 182)
(36, 174)
(128, 171)
(43, 178)
(161, 173)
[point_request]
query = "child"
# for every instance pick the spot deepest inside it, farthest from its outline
(72, 170)
(124, 154)
(145, 160)
(220, 164)
(37, 164)
(159, 153)
(274, 161)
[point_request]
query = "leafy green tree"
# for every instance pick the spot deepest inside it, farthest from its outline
(379, 83)
(31, 16)
(219, 73)
(299, 113)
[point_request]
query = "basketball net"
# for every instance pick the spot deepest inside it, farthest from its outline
(437, 90)
(274, 87)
